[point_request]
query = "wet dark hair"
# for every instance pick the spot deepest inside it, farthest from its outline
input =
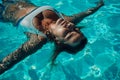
(60, 47)
(67, 48)
(71, 49)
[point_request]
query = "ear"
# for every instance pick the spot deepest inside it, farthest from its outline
(57, 41)
(47, 32)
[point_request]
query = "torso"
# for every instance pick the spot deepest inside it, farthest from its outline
(21, 9)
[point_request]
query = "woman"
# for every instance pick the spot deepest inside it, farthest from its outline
(42, 24)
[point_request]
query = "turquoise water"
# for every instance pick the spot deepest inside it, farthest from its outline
(98, 61)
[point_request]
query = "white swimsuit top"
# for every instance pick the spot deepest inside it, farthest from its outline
(25, 24)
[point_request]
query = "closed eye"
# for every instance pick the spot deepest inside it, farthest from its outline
(66, 32)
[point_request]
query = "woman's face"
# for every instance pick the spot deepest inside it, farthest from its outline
(65, 32)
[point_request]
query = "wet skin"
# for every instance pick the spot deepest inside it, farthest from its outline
(66, 32)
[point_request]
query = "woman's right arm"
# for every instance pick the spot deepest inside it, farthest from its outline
(31, 46)
(76, 18)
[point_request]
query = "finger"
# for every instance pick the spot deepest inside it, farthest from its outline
(70, 25)
(59, 21)
(77, 29)
(64, 22)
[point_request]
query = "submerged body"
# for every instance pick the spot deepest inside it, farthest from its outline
(42, 24)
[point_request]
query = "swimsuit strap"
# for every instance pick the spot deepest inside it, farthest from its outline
(29, 17)
(27, 21)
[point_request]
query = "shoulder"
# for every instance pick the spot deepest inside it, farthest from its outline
(35, 37)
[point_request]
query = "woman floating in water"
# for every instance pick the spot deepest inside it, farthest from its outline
(42, 24)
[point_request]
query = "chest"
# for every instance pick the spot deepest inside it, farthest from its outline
(44, 19)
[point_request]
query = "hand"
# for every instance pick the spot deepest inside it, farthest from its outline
(64, 23)
(100, 3)
(61, 22)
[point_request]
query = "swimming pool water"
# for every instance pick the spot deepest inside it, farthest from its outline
(98, 61)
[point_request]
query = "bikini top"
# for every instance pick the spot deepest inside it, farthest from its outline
(25, 24)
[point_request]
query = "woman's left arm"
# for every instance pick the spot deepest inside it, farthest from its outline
(31, 46)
